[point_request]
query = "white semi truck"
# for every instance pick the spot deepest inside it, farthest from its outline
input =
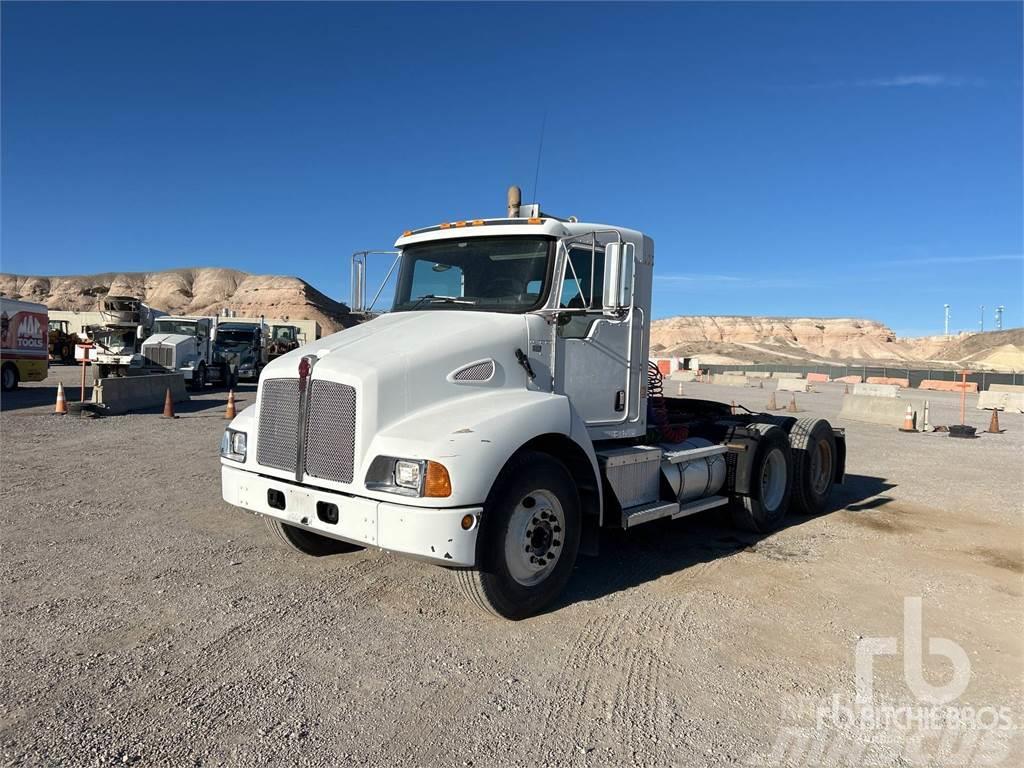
(185, 345)
(504, 412)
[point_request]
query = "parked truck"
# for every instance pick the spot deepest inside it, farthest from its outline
(185, 345)
(247, 341)
(117, 341)
(503, 413)
(24, 328)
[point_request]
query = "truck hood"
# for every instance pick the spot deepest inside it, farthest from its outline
(170, 339)
(405, 361)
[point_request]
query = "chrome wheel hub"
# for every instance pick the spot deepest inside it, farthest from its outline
(533, 540)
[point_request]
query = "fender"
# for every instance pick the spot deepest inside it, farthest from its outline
(474, 437)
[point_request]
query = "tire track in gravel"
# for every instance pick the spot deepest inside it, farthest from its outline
(197, 686)
(568, 724)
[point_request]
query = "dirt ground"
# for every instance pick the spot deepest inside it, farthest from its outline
(146, 622)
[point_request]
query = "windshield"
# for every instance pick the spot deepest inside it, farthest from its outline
(119, 342)
(181, 327)
(495, 274)
(235, 338)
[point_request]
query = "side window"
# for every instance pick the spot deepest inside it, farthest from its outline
(439, 279)
(583, 288)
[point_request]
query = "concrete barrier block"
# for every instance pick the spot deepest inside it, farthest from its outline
(793, 385)
(939, 385)
(818, 377)
(876, 390)
(905, 383)
(758, 374)
(683, 376)
(1011, 402)
(849, 379)
(729, 380)
(1006, 387)
(136, 393)
(786, 375)
(881, 410)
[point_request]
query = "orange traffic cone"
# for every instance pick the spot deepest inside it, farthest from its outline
(62, 403)
(168, 406)
(908, 420)
(993, 424)
(792, 405)
(229, 412)
(772, 406)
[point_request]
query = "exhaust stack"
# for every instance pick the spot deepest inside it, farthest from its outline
(515, 199)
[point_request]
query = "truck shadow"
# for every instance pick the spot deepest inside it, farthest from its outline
(649, 552)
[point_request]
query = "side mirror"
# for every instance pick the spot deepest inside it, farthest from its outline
(358, 285)
(618, 263)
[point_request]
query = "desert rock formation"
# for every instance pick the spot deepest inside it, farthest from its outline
(203, 291)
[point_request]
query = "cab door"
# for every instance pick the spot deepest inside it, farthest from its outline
(593, 350)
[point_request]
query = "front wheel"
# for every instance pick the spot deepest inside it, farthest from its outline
(9, 377)
(528, 541)
(199, 379)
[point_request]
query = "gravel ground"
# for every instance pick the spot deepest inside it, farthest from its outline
(146, 622)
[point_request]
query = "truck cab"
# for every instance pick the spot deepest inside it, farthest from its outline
(247, 342)
(500, 415)
(185, 345)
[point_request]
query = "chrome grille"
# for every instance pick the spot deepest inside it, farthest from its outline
(331, 431)
(278, 438)
(161, 355)
(477, 372)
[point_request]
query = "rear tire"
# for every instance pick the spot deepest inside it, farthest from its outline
(528, 541)
(307, 542)
(771, 480)
(198, 383)
(9, 377)
(66, 355)
(814, 463)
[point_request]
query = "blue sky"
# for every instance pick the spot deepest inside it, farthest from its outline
(812, 159)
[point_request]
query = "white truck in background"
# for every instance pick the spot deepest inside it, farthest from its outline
(504, 412)
(117, 341)
(185, 345)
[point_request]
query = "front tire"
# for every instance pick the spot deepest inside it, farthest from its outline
(199, 379)
(771, 483)
(528, 541)
(9, 377)
(307, 542)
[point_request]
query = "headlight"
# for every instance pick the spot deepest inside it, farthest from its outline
(232, 445)
(409, 477)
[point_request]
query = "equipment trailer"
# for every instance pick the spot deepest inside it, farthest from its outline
(504, 412)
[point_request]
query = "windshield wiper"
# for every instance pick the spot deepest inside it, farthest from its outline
(442, 299)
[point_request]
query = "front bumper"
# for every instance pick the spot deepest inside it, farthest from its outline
(430, 534)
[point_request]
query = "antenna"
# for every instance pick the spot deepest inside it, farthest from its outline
(999, 317)
(540, 148)
(981, 321)
(946, 327)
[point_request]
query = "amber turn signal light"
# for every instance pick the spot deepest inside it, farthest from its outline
(438, 485)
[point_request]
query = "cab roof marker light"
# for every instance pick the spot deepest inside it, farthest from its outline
(478, 222)
(445, 225)
(460, 223)
(407, 233)
(534, 221)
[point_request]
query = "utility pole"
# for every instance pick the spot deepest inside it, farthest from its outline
(981, 322)
(999, 317)
(946, 325)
